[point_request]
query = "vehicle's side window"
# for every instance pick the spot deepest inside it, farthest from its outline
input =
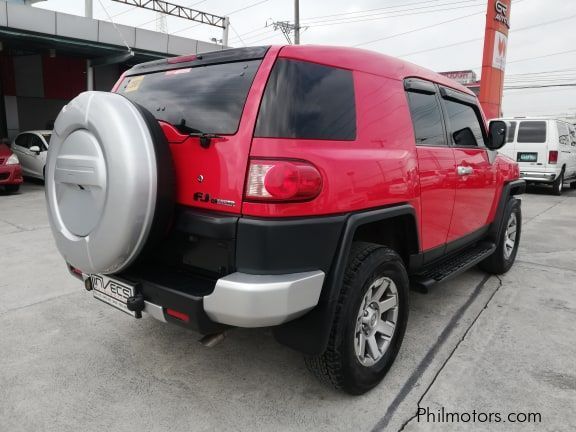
(23, 140)
(36, 141)
(426, 118)
(532, 132)
(563, 134)
(464, 125)
(573, 136)
(306, 100)
(511, 131)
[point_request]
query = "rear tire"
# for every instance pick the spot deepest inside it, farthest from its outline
(507, 248)
(573, 185)
(11, 189)
(369, 323)
(558, 185)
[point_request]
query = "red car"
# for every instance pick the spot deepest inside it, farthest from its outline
(10, 170)
(302, 188)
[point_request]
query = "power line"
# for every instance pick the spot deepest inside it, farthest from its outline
(479, 39)
(416, 29)
(540, 86)
(226, 14)
(396, 14)
(236, 33)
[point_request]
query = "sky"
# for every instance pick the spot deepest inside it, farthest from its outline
(542, 36)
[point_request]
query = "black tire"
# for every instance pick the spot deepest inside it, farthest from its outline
(558, 185)
(573, 185)
(339, 365)
(11, 189)
(500, 262)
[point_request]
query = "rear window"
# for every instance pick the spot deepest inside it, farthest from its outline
(308, 101)
(207, 99)
(511, 131)
(532, 132)
(427, 119)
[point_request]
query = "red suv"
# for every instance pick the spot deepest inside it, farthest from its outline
(10, 170)
(298, 187)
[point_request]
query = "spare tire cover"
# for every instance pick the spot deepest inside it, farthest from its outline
(102, 179)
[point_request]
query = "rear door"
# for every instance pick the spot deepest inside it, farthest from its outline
(567, 151)
(436, 164)
(475, 168)
(211, 94)
(21, 147)
(531, 146)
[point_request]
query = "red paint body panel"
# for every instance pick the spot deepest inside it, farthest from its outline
(9, 174)
(475, 193)
(438, 179)
(381, 167)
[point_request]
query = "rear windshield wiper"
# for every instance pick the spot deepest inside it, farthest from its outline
(205, 138)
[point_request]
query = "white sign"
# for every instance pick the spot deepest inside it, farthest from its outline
(500, 48)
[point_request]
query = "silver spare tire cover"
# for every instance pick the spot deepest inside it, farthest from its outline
(101, 182)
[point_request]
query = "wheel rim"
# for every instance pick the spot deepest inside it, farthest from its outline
(376, 321)
(510, 236)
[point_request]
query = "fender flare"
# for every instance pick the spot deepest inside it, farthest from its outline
(512, 188)
(310, 333)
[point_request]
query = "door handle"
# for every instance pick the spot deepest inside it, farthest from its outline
(465, 170)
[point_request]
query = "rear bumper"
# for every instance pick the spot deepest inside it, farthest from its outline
(10, 175)
(245, 300)
(540, 177)
(239, 299)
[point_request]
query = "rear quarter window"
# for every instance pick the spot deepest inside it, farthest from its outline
(307, 101)
(532, 132)
(208, 99)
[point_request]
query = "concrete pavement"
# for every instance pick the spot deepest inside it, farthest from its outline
(69, 363)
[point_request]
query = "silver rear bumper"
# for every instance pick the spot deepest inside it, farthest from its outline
(538, 176)
(245, 300)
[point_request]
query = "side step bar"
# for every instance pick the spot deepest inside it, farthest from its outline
(451, 266)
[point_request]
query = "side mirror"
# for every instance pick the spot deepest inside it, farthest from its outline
(497, 135)
(35, 149)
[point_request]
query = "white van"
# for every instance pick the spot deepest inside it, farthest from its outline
(544, 149)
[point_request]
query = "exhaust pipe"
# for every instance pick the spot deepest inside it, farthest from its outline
(213, 339)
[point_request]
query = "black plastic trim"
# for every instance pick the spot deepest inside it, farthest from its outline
(309, 334)
(280, 246)
(512, 188)
(418, 85)
(204, 59)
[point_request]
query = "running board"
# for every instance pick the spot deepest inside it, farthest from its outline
(451, 266)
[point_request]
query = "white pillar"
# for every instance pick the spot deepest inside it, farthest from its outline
(225, 31)
(88, 8)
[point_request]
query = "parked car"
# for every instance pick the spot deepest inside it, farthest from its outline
(10, 170)
(544, 149)
(31, 148)
(300, 187)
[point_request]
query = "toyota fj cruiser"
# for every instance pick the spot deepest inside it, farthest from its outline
(298, 187)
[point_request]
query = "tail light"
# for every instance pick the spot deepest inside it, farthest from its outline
(553, 157)
(282, 180)
(178, 315)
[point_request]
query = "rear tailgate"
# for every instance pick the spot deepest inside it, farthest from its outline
(207, 106)
(531, 148)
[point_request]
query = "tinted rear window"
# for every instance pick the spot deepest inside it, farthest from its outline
(206, 99)
(308, 101)
(511, 131)
(427, 119)
(532, 132)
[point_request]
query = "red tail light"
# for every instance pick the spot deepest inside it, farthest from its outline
(553, 157)
(178, 315)
(282, 180)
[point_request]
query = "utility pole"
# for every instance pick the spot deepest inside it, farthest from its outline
(88, 9)
(225, 31)
(296, 22)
